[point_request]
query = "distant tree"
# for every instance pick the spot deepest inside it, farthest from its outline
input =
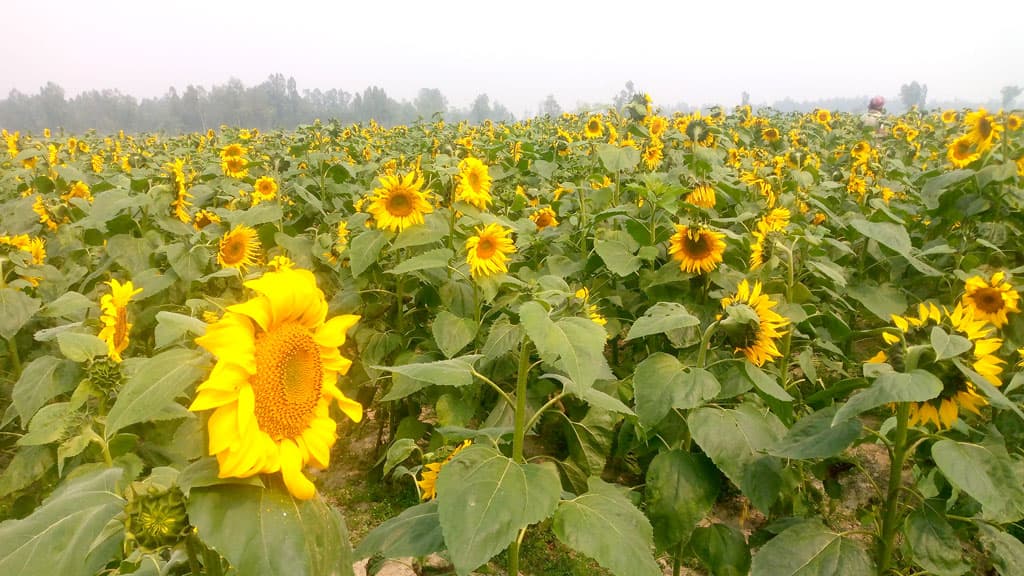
(550, 106)
(913, 94)
(624, 95)
(744, 98)
(1010, 94)
(481, 109)
(430, 101)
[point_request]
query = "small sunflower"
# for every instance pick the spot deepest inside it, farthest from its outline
(1014, 122)
(78, 190)
(653, 154)
(594, 128)
(474, 183)
(232, 151)
(264, 190)
(239, 248)
(428, 476)
(770, 134)
(45, 217)
(823, 117)
(751, 324)
(399, 202)
(698, 250)
(656, 125)
(204, 218)
(234, 166)
(544, 217)
(702, 195)
(948, 116)
(487, 251)
(984, 129)
(760, 250)
(114, 317)
(961, 152)
(278, 362)
(991, 300)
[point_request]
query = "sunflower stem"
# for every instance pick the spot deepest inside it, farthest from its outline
(787, 340)
(12, 354)
(519, 433)
(891, 511)
(193, 555)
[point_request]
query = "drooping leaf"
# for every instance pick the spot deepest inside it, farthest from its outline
(575, 345)
(617, 158)
(80, 347)
(171, 327)
(617, 257)
(915, 386)
(155, 383)
(364, 250)
(722, 549)
(452, 333)
(660, 384)
(986, 473)
(946, 345)
(765, 382)
(810, 549)
(932, 541)
(681, 489)
(41, 380)
(1005, 551)
(814, 436)
(453, 372)
(16, 309)
(662, 317)
(437, 258)
(414, 532)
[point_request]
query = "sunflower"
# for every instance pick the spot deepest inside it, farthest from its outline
(1013, 122)
(961, 154)
(487, 252)
(544, 217)
(823, 117)
(594, 128)
(770, 134)
(78, 190)
(751, 324)
(516, 150)
(232, 151)
(239, 248)
(264, 190)
(861, 151)
(428, 476)
(653, 154)
(45, 218)
(948, 116)
(114, 308)
(30, 162)
(656, 125)
(234, 166)
(399, 203)
(698, 250)
(592, 311)
(983, 129)
(274, 381)
(474, 183)
(702, 195)
(991, 300)
(204, 218)
(760, 250)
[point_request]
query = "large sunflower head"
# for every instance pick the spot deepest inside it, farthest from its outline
(961, 152)
(239, 248)
(276, 376)
(770, 134)
(399, 202)
(698, 250)
(114, 317)
(703, 195)
(656, 125)
(474, 183)
(594, 128)
(264, 190)
(488, 250)
(544, 217)
(983, 128)
(991, 300)
(948, 116)
(751, 324)
(234, 166)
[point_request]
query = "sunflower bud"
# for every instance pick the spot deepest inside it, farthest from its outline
(740, 325)
(156, 517)
(105, 374)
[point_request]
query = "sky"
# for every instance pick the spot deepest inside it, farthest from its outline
(518, 52)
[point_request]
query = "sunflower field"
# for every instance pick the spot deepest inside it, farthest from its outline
(723, 343)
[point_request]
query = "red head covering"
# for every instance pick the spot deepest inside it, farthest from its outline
(876, 103)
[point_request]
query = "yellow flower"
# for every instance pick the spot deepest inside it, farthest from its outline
(275, 379)
(204, 218)
(751, 324)
(234, 166)
(428, 476)
(823, 117)
(239, 248)
(948, 116)
(516, 150)
(1013, 122)
(114, 308)
(991, 300)
(399, 203)
(544, 217)
(656, 125)
(264, 190)
(232, 151)
(39, 207)
(770, 134)
(594, 128)
(653, 154)
(760, 250)
(278, 263)
(984, 129)
(961, 153)
(474, 183)
(703, 195)
(78, 190)
(698, 250)
(487, 252)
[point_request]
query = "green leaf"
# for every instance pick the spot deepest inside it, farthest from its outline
(882, 300)
(28, 465)
(48, 424)
(485, 498)
(947, 346)
(454, 372)
(41, 380)
(16, 309)
(60, 537)
(71, 305)
(994, 395)
(397, 453)
(363, 251)
(681, 490)
(896, 238)
(154, 384)
(604, 525)
(502, 339)
(935, 187)
(736, 441)
(617, 257)
(414, 532)
(188, 263)
(439, 258)
(80, 347)
(660, 384)
(932, 541)
(986, 473)
(722, 549)
(452, 333)
(810, 549)
(830, 270)
(576, 343)
(765, 382)
(662, 317)
(616, 158)
(263, 531)
(171, 327)
(814, 436)
(915, 386)
(1005, 551)
(259, 214)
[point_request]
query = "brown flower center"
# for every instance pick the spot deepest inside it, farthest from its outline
(988, 300)
(696, 244)
(399, 203)
(486, 248)
(288, 380)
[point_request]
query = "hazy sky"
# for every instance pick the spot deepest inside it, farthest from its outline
(519, 51)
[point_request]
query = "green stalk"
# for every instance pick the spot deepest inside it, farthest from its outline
(889, 519)
(518, 437)
(787, 340)
(193, 555)
(12, 354)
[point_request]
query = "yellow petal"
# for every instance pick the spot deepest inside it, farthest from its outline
(212, 398)
(246, 410)
(890, 338)
(258, 309)
(332, 333)
(223, 428)
(231, 337)
(291, 471)
(351, 408)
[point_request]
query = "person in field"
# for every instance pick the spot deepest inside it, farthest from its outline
(873, 117)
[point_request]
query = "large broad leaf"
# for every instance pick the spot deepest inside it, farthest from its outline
(263, 531)
(934, 188)
(660, 384)
(80, 347)
(414, 532)
(66, 534)
(617, 257)
(946, 345)
(932, 541)
(485, 498)
(28, 465)
(452, 333)
(41, 380)
(155, 383)
(16, 308)
(438, 258)
(914, 386)
(1005, 551)
(896, 238)
(722, 549)
(736, 441)
(604, 525)
(662, 317)
(765, 382)
(681, 489)
(814, 436)
(575, 345)
(810, 549)
(502, 339)
(188, 263)
(883, 300)
(364, 250)
(172, 327)
(986, 473)
(617, 158)
(454, 372)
